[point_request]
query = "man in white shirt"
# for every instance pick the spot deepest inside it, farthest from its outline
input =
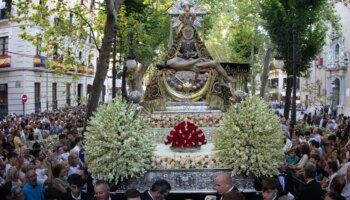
(331, 168)
(73, 161)
(37, 133)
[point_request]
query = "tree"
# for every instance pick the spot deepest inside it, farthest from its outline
(307, 20)
(240, 38)
(68, 34)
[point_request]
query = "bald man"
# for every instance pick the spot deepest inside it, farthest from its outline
(102, 191)
(223, 184)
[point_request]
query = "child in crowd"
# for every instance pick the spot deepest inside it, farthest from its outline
(292, 159)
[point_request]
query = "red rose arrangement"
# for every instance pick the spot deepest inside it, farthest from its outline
(185, 135)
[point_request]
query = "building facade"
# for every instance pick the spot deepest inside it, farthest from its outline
(23, 72)
(329, 74)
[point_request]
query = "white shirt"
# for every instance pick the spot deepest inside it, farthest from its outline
(346, 190)
(72, 170)
(37, 133)
(330, 181)
(148, 194)
(76, 198)
(77, 148)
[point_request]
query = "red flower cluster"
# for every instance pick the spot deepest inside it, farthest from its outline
(186, 134)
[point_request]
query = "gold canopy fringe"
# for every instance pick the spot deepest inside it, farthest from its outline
(216, 102)
(155, 96)
(156, 104)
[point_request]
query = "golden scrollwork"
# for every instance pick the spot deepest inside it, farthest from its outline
(193, 96)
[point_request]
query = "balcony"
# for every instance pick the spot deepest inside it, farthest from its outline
(5, 61)
(81, 69)
(39, 61)
(90, 69)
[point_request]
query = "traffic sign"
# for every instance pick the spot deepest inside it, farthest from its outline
(24, 98)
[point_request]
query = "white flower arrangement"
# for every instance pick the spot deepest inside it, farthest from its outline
(249, 139)
(118, 142)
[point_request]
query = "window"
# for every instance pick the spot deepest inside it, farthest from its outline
(68, 94)
(55, 49)
(336, 53)
(5, 8)
(37, 92)
(90, 38)
(54, 91)
(54, 95)
(56, 21)
(3, 99)
(3, 93)
(80, 88)
(38, 47)
(273, 83)
(37, 103)
(89, 60)
(4, 45)
(82, 2)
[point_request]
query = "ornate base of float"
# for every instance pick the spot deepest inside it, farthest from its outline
(187, 181)
(198, 177)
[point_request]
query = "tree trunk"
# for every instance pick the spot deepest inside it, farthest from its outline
(112, 8)
(265, 74)
(288, 95)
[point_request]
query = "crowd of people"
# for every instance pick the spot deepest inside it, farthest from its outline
(317, 155)
(316, 165)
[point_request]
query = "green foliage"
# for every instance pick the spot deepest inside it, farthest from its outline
(308, 19)
(58, 27)
(233, 33)
(147, 25)
(249, 139)
(118, 142)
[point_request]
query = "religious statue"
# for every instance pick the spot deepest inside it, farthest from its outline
(188, 72)
(189, 59)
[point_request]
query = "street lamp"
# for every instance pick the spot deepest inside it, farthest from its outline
(278, 62)
(130, 63)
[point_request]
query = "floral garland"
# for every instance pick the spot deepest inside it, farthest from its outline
(185, 162)
(186, 134)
